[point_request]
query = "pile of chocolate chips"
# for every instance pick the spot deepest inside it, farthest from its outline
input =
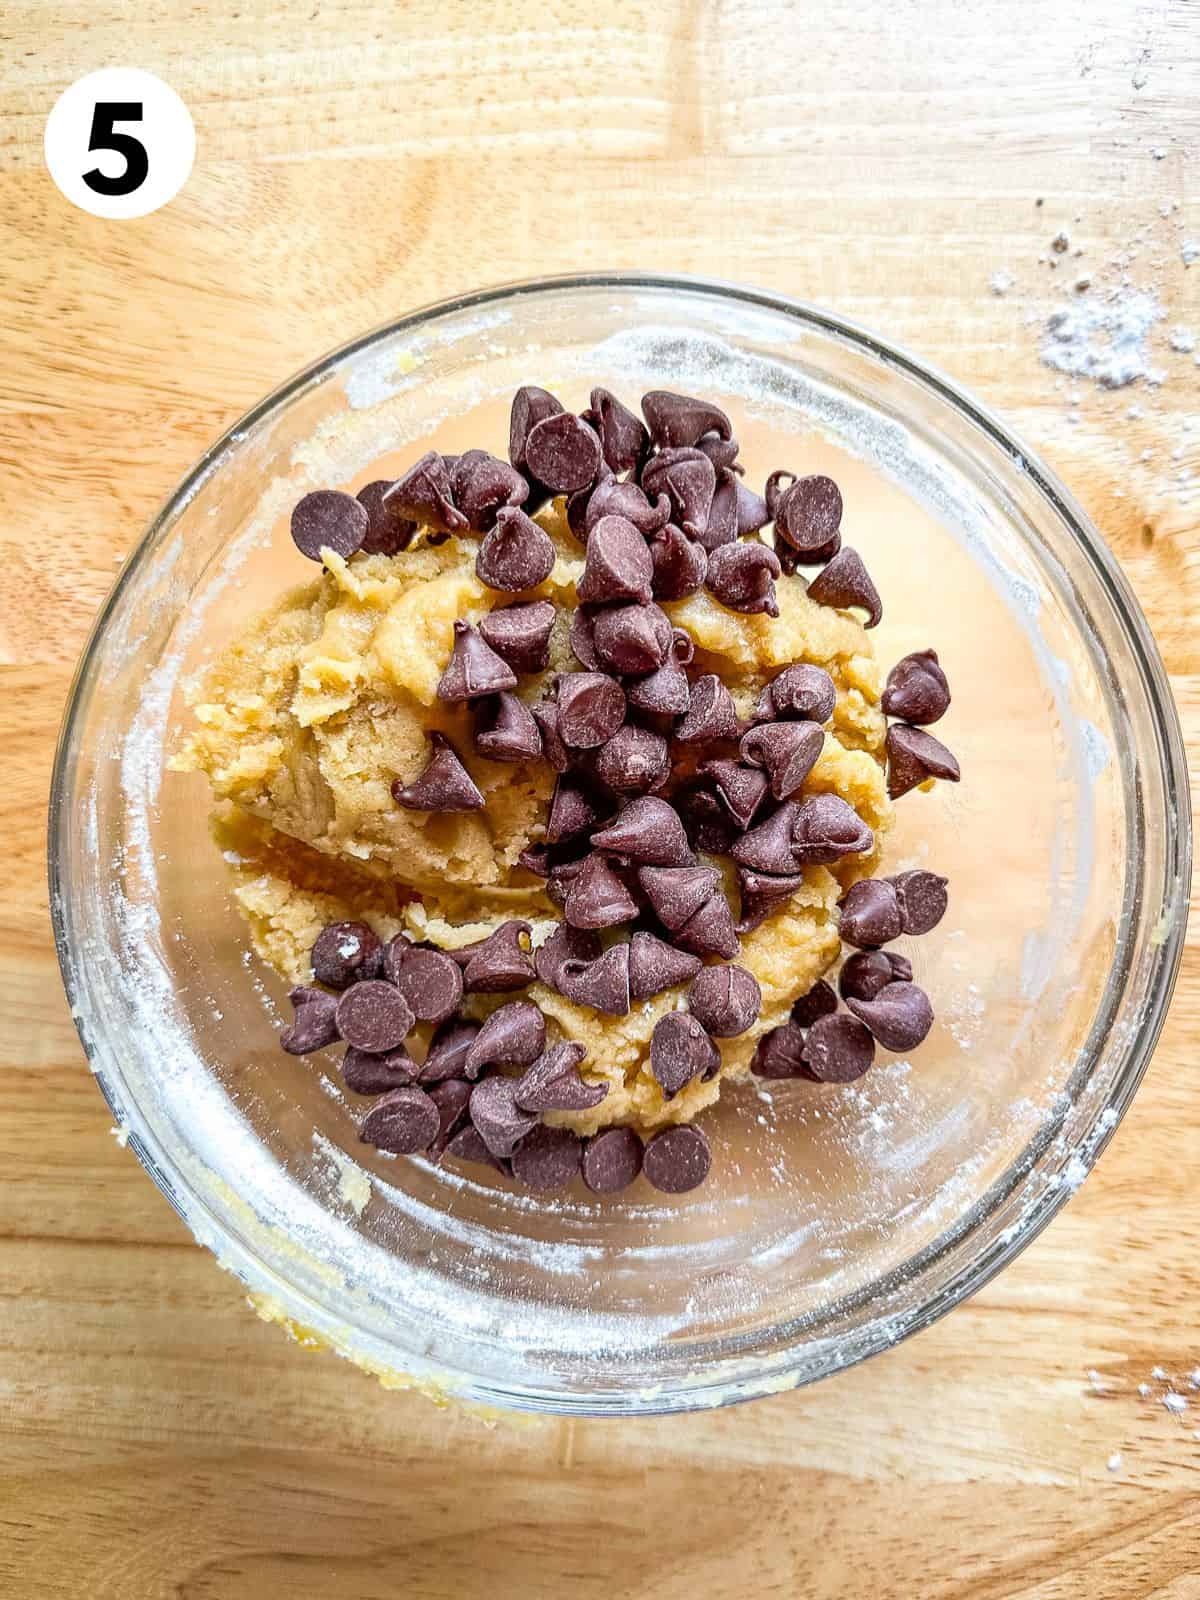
(654, 767)
(462, 1099)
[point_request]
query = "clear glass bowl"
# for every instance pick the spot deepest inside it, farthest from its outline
(837, 1221)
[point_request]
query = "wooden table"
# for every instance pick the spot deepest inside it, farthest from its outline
(884, 157)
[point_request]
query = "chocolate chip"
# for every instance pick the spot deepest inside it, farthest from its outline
(474, 668)
(623, 439)
(428, 979)
(631, 639)
(329, 519)
(775, 488)
(721, 452)
(564, 872)
(591, 707)
(761, 892)
(563, 452)
(800, 692)
(500, 1121)
(554, 751)
(923, 899)
(676, 1160)
(452, 1100)
(742, 789)
(917, 690)
(582, 636)
(654, 965)
(445, 784)
(665, 692)
(820, 1001)
(515, 553)
(680, 564)
(634, 761)
(480, 484)
(808, 516)
(520, 634)
(689, 480)
(724, 1000)
(547, 1159)
(554, 1083)
(837, 1049)
(617, 565)
(404, 1121)
(612, 497)
(679, 419)
(899, 1016)
(741, 577)
(602, 984)
(870, 914)
(752, 513)
(612, 1160)
(780, 1053)
(564, 944)
(710, 931)
(866, 972)
(464, 954)
(722, 525)
(597, 898)
(530, 406)
(448, 1050)
(499, 962)
(505, 730)
(314, 1025)
(901, 966)
(787, 750)
(423, 495)
(513, 1036)
(368, 1074)
(562, 876)
(374, 1016)
(343, 953)
(711, 714)
(649, 832)
(826, 829)
(680, 1050)
(387, 531)
(913, 756)
(768, 847)
(574, 809)
(565, 867)
(677, 893)
(845, 582)
(683, 646)
(467, 1145)
(707, 823)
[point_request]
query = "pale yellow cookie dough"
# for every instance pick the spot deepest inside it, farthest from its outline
(303, 723)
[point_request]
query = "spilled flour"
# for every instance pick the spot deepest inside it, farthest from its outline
(1105, 312)
(1105, 339)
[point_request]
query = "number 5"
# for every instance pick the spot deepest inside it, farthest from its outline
(104, 137)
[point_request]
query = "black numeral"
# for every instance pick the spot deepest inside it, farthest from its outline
(105, 137)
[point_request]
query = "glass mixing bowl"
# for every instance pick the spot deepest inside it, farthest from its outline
(837, 1220)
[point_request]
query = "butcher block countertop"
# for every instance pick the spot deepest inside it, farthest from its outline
(904, 162)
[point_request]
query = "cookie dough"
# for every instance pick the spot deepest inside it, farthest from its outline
(303, 723)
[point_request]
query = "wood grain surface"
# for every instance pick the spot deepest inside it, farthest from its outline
(882, 157)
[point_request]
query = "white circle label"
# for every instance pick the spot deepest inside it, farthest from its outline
(120, 143)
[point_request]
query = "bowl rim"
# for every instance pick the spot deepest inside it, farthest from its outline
(966, 1279)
